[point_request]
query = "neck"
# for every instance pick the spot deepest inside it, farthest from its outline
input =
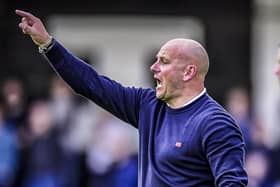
(184, 99)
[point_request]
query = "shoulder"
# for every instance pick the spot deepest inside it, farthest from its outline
(212, 111)
(215, 117)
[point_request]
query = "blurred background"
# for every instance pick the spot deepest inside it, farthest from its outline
(50, 137)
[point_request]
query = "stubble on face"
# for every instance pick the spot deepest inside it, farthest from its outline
(171, 72)
(185, 71)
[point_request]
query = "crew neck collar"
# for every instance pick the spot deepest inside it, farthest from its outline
(190, 101)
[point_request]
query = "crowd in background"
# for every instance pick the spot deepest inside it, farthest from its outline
(261, 160)
(64, 140)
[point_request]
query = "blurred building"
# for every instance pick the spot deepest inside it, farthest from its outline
(121, 39)
(265, 42)
(224, 27)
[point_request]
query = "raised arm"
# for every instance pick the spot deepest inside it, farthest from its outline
(121, 101)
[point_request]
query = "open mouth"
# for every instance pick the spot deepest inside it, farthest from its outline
(159, 83)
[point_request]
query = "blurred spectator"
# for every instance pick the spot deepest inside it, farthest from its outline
(277, 67)
(61, 101)
(258, 166)
(13, 94)
(111, 165)
(258, 135)
(258, 155)
(73, 119)
(72, 114)
(8, 152)
(275, 154)
(238, 105)
(43, 157)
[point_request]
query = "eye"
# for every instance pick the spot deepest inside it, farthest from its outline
(161, 60)
(164, 60)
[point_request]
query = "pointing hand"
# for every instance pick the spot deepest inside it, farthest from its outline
(34, 27)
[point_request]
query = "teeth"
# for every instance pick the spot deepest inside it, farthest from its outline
(158, 83)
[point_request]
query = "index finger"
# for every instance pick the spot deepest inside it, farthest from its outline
(25, 14)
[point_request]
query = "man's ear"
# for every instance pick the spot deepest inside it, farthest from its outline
(190, 72)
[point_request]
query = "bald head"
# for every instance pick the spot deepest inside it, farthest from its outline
(191, 52)
(179, 70)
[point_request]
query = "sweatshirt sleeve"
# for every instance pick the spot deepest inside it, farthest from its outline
(224, 148)
(123, 102)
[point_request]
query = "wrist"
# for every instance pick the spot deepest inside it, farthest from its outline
(47, 43)
(44, 48)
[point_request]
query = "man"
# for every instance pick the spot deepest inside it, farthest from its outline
(186, 138)
(277, 68)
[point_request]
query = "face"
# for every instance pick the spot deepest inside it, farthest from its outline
(277, 68)
(168, 72)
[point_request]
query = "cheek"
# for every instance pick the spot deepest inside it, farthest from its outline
(174, 81)
(171, 76)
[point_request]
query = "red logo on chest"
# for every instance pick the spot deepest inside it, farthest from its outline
(178, 144)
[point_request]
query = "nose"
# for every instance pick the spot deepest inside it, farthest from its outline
(155, 67)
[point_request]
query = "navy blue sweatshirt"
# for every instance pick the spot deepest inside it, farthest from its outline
(197, 145)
